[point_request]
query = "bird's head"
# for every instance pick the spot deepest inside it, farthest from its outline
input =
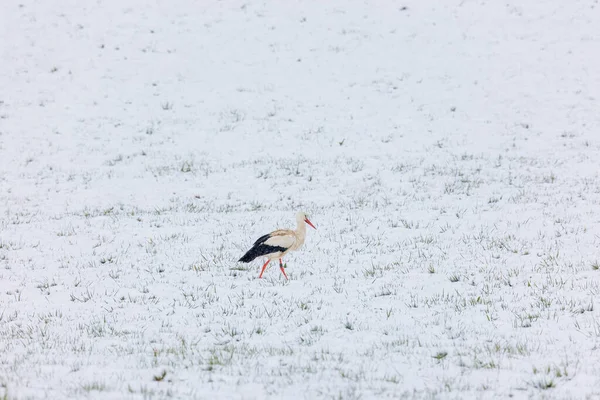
(301, 216)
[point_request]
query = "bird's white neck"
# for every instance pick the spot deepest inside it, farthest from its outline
(301, 229)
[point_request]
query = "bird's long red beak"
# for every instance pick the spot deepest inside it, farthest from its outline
(310, 223)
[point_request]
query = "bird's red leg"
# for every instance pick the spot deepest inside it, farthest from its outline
(263, 268)
(282, 270)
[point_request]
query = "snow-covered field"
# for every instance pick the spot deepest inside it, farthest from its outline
(447, 151)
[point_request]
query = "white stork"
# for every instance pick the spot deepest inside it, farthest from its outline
(278, 243)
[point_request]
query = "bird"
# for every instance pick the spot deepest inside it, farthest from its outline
(278, 243)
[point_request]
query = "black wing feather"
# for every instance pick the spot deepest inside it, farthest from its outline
(260, 249)
(262, 239)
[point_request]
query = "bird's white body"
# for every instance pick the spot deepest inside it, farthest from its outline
(287, 238)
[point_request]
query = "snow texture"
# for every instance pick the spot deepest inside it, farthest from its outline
(446, 151)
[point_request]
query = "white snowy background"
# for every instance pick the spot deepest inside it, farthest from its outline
(447, 151)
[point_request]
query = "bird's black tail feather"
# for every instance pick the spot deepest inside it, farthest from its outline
(260, 249)
(248, 256)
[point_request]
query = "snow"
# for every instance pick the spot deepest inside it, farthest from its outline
(446, 151)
